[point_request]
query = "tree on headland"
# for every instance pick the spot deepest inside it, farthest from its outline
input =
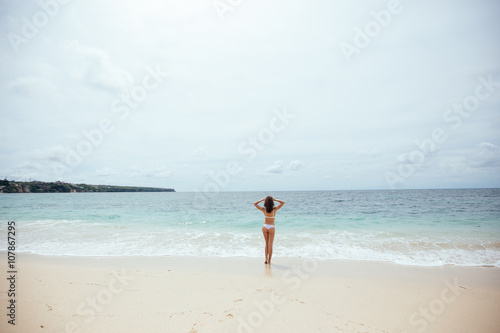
(61, 187)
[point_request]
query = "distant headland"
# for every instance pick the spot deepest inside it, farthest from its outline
(7, 186)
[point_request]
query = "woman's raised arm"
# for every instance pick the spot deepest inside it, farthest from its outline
(256, 204)
(280, 205)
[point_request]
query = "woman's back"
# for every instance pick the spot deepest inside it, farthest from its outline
(268, 228)
(270, 217)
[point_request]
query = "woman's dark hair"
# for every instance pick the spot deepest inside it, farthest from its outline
(269, 204)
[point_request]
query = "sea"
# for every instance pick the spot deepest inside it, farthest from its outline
(410, 227)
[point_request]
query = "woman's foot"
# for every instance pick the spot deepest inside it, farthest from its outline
(265, 262)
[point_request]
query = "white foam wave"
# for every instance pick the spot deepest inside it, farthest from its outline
(100, 239)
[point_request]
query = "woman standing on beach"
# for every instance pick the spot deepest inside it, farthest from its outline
(268, 228)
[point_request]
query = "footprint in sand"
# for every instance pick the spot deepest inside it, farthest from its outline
(344, 325)
(298, 300)
(228, 316)
(351, 326)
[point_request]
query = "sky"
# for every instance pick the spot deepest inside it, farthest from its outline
(242, 95)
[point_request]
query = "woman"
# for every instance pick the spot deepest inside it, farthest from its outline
(268, 228)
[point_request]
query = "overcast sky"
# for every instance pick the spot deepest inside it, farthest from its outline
(251, 95)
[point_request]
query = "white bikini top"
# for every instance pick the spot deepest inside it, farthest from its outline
(270, 217)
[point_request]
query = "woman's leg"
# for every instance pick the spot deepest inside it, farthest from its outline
(266, 237)
(270, 243)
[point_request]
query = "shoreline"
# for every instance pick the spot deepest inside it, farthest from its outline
(232, 294)
(211, 257)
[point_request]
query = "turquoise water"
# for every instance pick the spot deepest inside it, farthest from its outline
(418, 227)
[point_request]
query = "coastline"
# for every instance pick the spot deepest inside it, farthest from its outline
(211, 294)
(9, 187)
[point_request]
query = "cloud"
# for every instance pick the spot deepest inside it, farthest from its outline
(24, 171)
(199, 152)
(32, 86)
(488, 157)
(55, 153)
(96, 68)
(296, 165)
(153, 172)
(65, 81)
(275, 168)
(29, 166)
(489, 146)
(371, 152)
(104, 172)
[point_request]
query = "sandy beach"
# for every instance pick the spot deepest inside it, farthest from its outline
(193, 294)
